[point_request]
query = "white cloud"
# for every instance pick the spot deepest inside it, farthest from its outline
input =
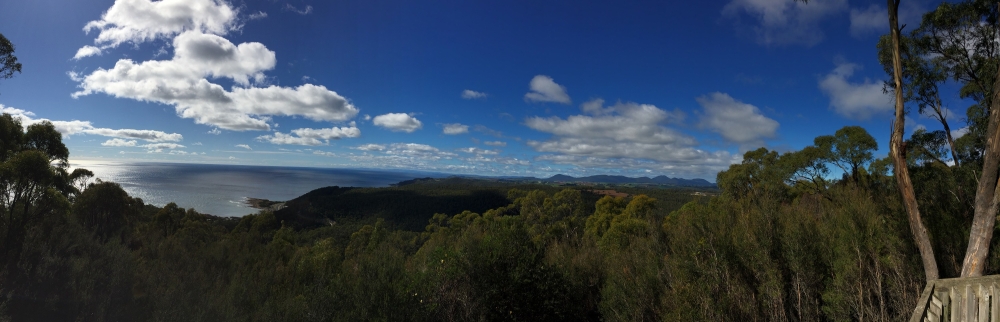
(258, 15)
(398, 122)
(215, 131)
(471, 94)
(495, 143)
(197, 143)
(328, 154)
(544, 89)
(183, 83)
(632, 135)
(139, 21)
(422, 151)
(68, 128)
(370, 147)
(244, 146)
(148, 135)
(312, 137)
(475, 150)
(737, 122)
(595, 107)
(874, 20)
(160, 146)
(858, 101)
(282, 138)
(455, 128)
(332, 133)
(119, 142)
(959, 132)
(779, 22)
(87, 51)
(367, 117)
(304, 11)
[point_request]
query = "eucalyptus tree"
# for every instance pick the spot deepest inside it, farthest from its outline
(898, 155)
(957, 42)
(923, 73)
(32, 179)
(8, 62)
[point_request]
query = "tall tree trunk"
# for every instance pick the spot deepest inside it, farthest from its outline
(986, 194)
(902, 173)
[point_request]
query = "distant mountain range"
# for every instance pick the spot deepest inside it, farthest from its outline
(562, 178)
(664, 180)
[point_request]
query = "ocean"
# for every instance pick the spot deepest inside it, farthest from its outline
(222, 190)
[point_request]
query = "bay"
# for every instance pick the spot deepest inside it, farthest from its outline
(222, 190)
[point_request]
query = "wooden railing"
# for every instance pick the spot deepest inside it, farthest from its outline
(960, 299)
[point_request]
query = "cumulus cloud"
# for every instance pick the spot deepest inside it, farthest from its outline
(87, 51)
(544, 89)
(68, 128)
(323, 153)
(595, 107)
(283, 138)
(858, 101)
(138, 21)
(398, 122)
(471, 94)
(119, 142)
(423, 151)
(183, 83)
(631, 135)
(244, 146)
(370, 147)
(215, 131)
(475, 150)
(495, 143)
(455, 128)
(737, 122)
(313, 137)
(780, 22)
(200, 54)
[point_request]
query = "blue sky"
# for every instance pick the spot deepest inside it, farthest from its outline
(481, 87)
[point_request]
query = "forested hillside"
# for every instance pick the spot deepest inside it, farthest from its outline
(778, 243)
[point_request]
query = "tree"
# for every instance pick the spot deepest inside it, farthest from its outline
(105, 208)
(8, 62)
(896, 151)
(922, 73)
(851, 148)
(32, 172)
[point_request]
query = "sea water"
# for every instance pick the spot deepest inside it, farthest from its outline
(222, 190)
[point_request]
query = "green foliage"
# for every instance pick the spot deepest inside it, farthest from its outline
(851, 148)
(8, 62)
(782, 241)
(106, 209)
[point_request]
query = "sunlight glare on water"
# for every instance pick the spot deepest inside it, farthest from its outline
(221, 189)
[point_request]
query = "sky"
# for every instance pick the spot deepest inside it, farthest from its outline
(497, 88)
